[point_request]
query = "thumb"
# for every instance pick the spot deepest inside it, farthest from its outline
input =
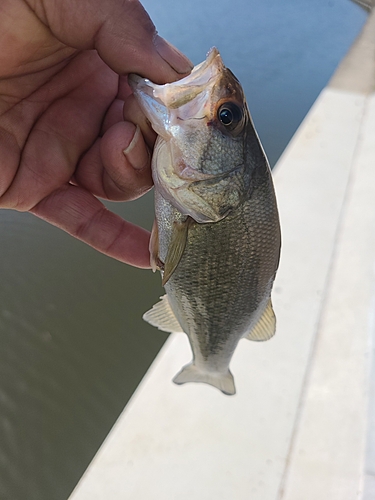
(122, 33)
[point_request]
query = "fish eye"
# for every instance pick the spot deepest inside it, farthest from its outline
(226, 116)
(230, 115)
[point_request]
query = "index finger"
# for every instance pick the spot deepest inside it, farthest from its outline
(80, 214)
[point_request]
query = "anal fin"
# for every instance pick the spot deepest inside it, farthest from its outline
(162, 316)
(265, 327)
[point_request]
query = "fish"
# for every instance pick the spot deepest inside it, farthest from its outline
(216, 237)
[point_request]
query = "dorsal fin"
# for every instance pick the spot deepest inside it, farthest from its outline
(162, 316)
(265, 327)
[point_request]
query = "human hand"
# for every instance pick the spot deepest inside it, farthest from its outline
(63, 138)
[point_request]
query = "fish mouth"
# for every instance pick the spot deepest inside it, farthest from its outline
(176, 94)
(155, 100)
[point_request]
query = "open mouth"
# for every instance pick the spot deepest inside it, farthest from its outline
(176, 94)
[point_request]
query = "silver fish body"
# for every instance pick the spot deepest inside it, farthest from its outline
(217, 233)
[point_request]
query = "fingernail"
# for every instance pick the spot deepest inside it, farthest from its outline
(172, 56)
(137, 152)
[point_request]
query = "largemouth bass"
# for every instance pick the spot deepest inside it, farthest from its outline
(216, 237)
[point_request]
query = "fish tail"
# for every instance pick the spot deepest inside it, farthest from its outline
(222, 381)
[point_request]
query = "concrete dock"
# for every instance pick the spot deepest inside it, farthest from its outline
(302, 425)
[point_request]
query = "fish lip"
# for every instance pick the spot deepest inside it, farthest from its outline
(213, 58)
(189, 86)
(141, 85)
(158, 101)
(153, 108)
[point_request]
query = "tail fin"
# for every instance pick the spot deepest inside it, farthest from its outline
(223, 381)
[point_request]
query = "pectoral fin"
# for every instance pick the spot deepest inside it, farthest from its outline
(265, 327)
(154, 247)
(162, 316)
(176, 248)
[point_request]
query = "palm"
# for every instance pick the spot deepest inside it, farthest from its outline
(62, 133)
(53, 125)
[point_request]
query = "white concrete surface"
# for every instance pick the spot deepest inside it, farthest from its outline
(297, 428)
(331, 434)
(333, 451)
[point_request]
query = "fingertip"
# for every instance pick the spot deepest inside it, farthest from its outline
(137, 153)
(133, 113)
(80, 214)
(176, 59)
(126, 160)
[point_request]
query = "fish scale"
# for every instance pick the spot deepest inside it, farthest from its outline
(216, 239)
(243, 265)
